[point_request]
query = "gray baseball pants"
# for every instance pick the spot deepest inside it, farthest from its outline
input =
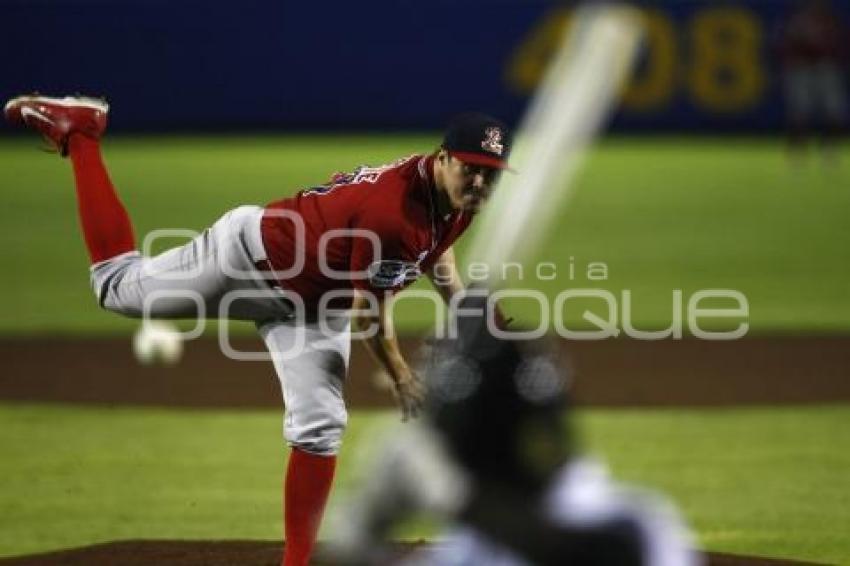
(215, 276)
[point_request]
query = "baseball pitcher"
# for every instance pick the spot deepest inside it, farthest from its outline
(298, 268)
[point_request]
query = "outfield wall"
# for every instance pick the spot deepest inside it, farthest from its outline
(192, 64)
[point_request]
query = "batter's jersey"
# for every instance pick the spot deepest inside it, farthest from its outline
(376, 229)
(582, 498)
(414, 473)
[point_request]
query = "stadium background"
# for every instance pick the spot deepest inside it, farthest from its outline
(385, 64)
(217, 104)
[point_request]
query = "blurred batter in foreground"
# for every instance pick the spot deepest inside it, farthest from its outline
(494, 456)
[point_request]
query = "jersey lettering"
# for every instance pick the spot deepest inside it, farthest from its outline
(362, 174)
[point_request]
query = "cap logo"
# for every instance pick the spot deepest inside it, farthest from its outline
(493, 140)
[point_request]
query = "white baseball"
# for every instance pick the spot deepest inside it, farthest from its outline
(157, 342)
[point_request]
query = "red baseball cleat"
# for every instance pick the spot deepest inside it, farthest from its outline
(57, 118)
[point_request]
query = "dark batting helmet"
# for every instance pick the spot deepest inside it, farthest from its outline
(499, 403)
(500, 406)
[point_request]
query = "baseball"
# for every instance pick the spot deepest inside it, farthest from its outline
(157, 342)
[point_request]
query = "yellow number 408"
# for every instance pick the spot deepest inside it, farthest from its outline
(720, 70)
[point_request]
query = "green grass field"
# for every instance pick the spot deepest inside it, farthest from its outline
(661, 214)
(751, 481)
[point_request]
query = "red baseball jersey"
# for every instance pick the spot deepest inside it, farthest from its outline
(813, 36)
(376, 229)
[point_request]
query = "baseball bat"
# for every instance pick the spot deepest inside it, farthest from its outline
(577, 95)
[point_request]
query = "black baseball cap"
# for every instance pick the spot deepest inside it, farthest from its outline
(478, 139)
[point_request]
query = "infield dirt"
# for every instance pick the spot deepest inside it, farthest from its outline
(614, 373)
(247, 553)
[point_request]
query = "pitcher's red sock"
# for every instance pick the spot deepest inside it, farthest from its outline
(105, 223)
(308, 483)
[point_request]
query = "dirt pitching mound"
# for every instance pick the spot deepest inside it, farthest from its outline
(243, 553)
